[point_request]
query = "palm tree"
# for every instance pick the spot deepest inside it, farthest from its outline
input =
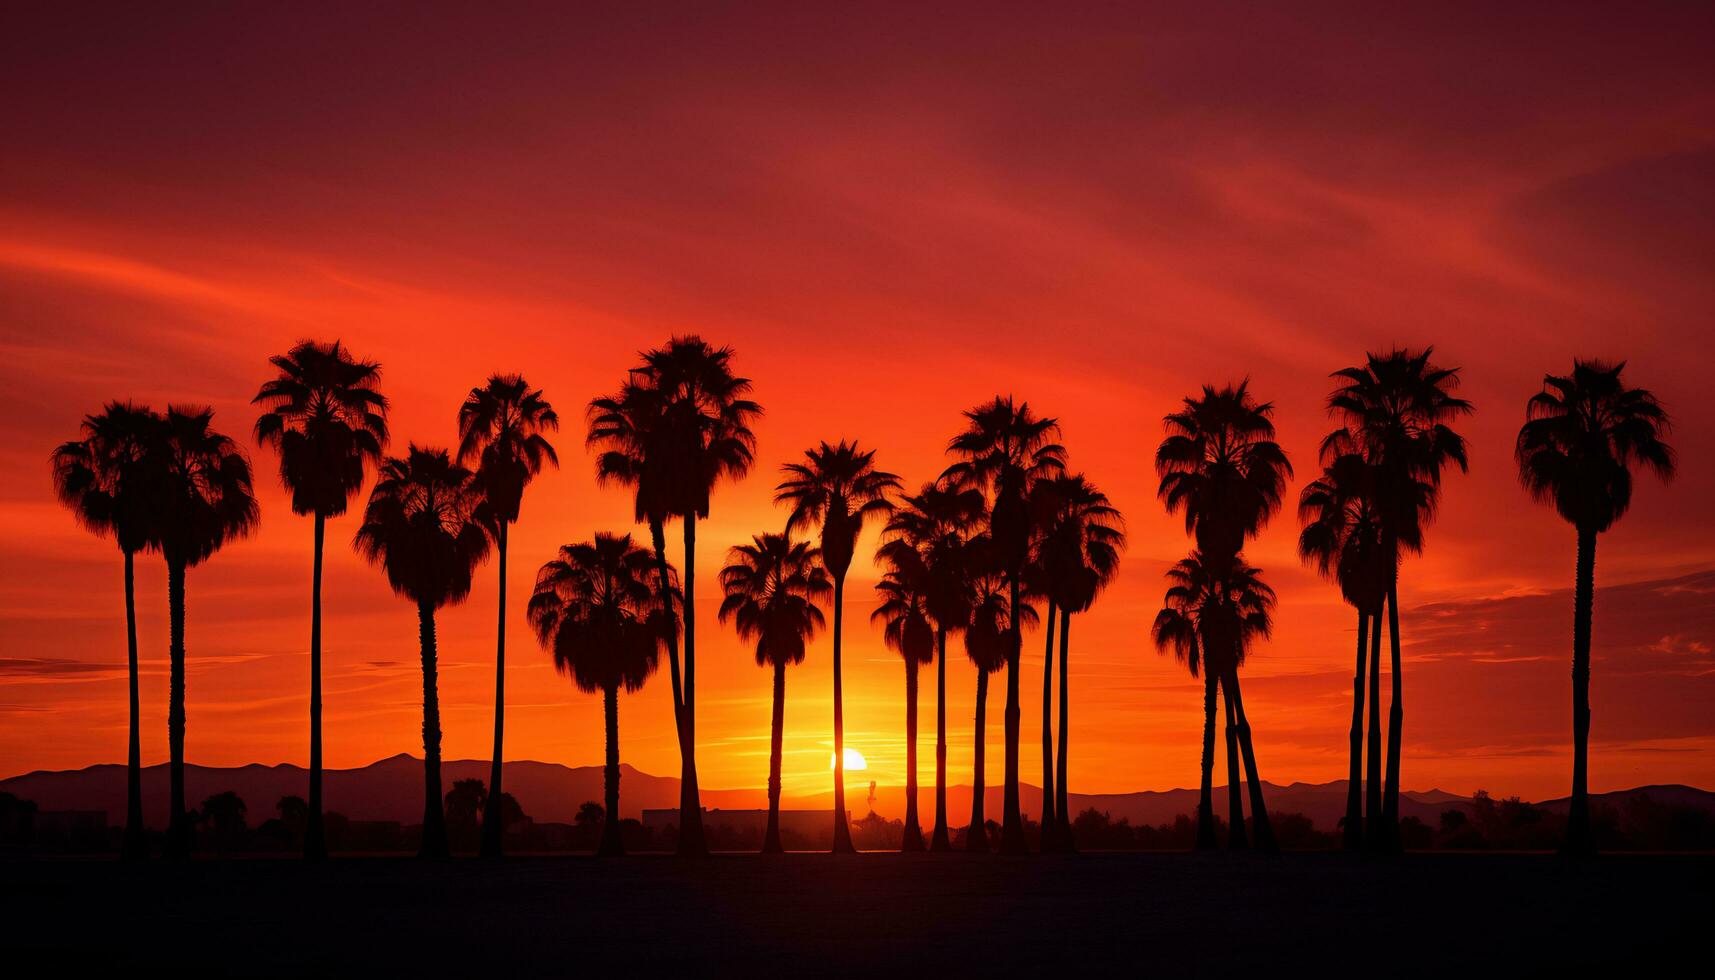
(1175, 628)
(1079, 551)
(596, 609)
(422, 528)
(991, 642)
(936, 524)
(679, 425)
(1583, 435)
(1003, 449)
(904, 615)
(502, 428)
(201, 497)
(838, 488)
(1342, 539)
(772, 588)
(1395, 409)
(102, 478)
(329, 423)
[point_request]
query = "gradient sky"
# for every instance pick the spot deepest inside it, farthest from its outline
(892, 214)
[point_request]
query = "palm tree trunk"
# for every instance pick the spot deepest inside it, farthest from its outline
(692, 842)
(493, 813)
(939, 839)
(1012, 819)
(1373, 768)
(976, 837)
(1353, 836)
(771, 840)
(1395, 724)
(1579, 840)
(842, 832)
(134, 847)
(1062, 807)
(1261, 827)
(611, 845)
(1046, 841)
(178, 845)
(1206, 796)
(1237, 839)
(434, 843)
(664, 586)
(913, 840)
(315, 844)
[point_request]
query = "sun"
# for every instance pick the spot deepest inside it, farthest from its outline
(855, 762)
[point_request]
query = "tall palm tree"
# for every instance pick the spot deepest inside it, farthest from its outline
(596, 609)
(422, 528)
(838, 489)
(990, 642)
(1079, 551)
(679, 425)
(1175, 628)
(503, 426)
(326, 417)
(1005, 447)
(936, 524)
(904, 615)
(1342, 539)
(1395, 409)
(201, 497)
(1584, 434)
(103, 479)
(772, 588)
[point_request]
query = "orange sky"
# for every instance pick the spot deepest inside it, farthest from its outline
(892, 215)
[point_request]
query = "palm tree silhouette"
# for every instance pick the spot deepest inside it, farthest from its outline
(904, 615)
(422, 528)
(595, 608)
(679, 425)
(1394, 409)
(1175, 628)
(1003, 449)
(1583, 435)
(772, 588)
(329, 423)
(1221, 466)
(936, 524)
(201, 498)
(1078, 552)
(103, 478)
(838, 488)
(1342, 539)
(502, 426)
(991, 642)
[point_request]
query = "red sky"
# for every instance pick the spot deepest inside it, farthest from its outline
(892, 214)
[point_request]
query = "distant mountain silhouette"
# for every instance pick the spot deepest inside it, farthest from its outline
(391, 789)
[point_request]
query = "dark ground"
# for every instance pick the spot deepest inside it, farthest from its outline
(882, 915)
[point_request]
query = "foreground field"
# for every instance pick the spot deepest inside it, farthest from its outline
(1446, 914)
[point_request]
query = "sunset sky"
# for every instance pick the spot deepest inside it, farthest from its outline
(891, 214)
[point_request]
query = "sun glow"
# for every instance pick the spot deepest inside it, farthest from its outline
(855, 762)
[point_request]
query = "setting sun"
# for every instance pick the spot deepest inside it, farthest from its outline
(855, 762)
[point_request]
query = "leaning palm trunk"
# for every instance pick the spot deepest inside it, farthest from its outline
(1012, 819)
(1049, 822)
(1261, 828)
(178, 846)
(771, 840)
(1237, 839)
(1579, 840)
(977, 838)
(939, 839)
(692, 842)
(842, 831)
(434, 843)
(1062, 808)
(134, 847)
(1373, 768)
(913, 840)
(1206, 795)
(611, 844)
(1353, 836)
(493, 813)
(1395, 724)
(315, 844)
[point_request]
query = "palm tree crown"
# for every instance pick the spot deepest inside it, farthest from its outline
(201, 491)
(936, 524)
(596, 608)
(421, 526)
(1081, 537)
(1221, 466)
(1342, 535)
(904, 609)
(1212, 613)
(502, 426)
(328, 421)
(1004, 447)
(773, 586)
(839, 488)
(104, 478)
